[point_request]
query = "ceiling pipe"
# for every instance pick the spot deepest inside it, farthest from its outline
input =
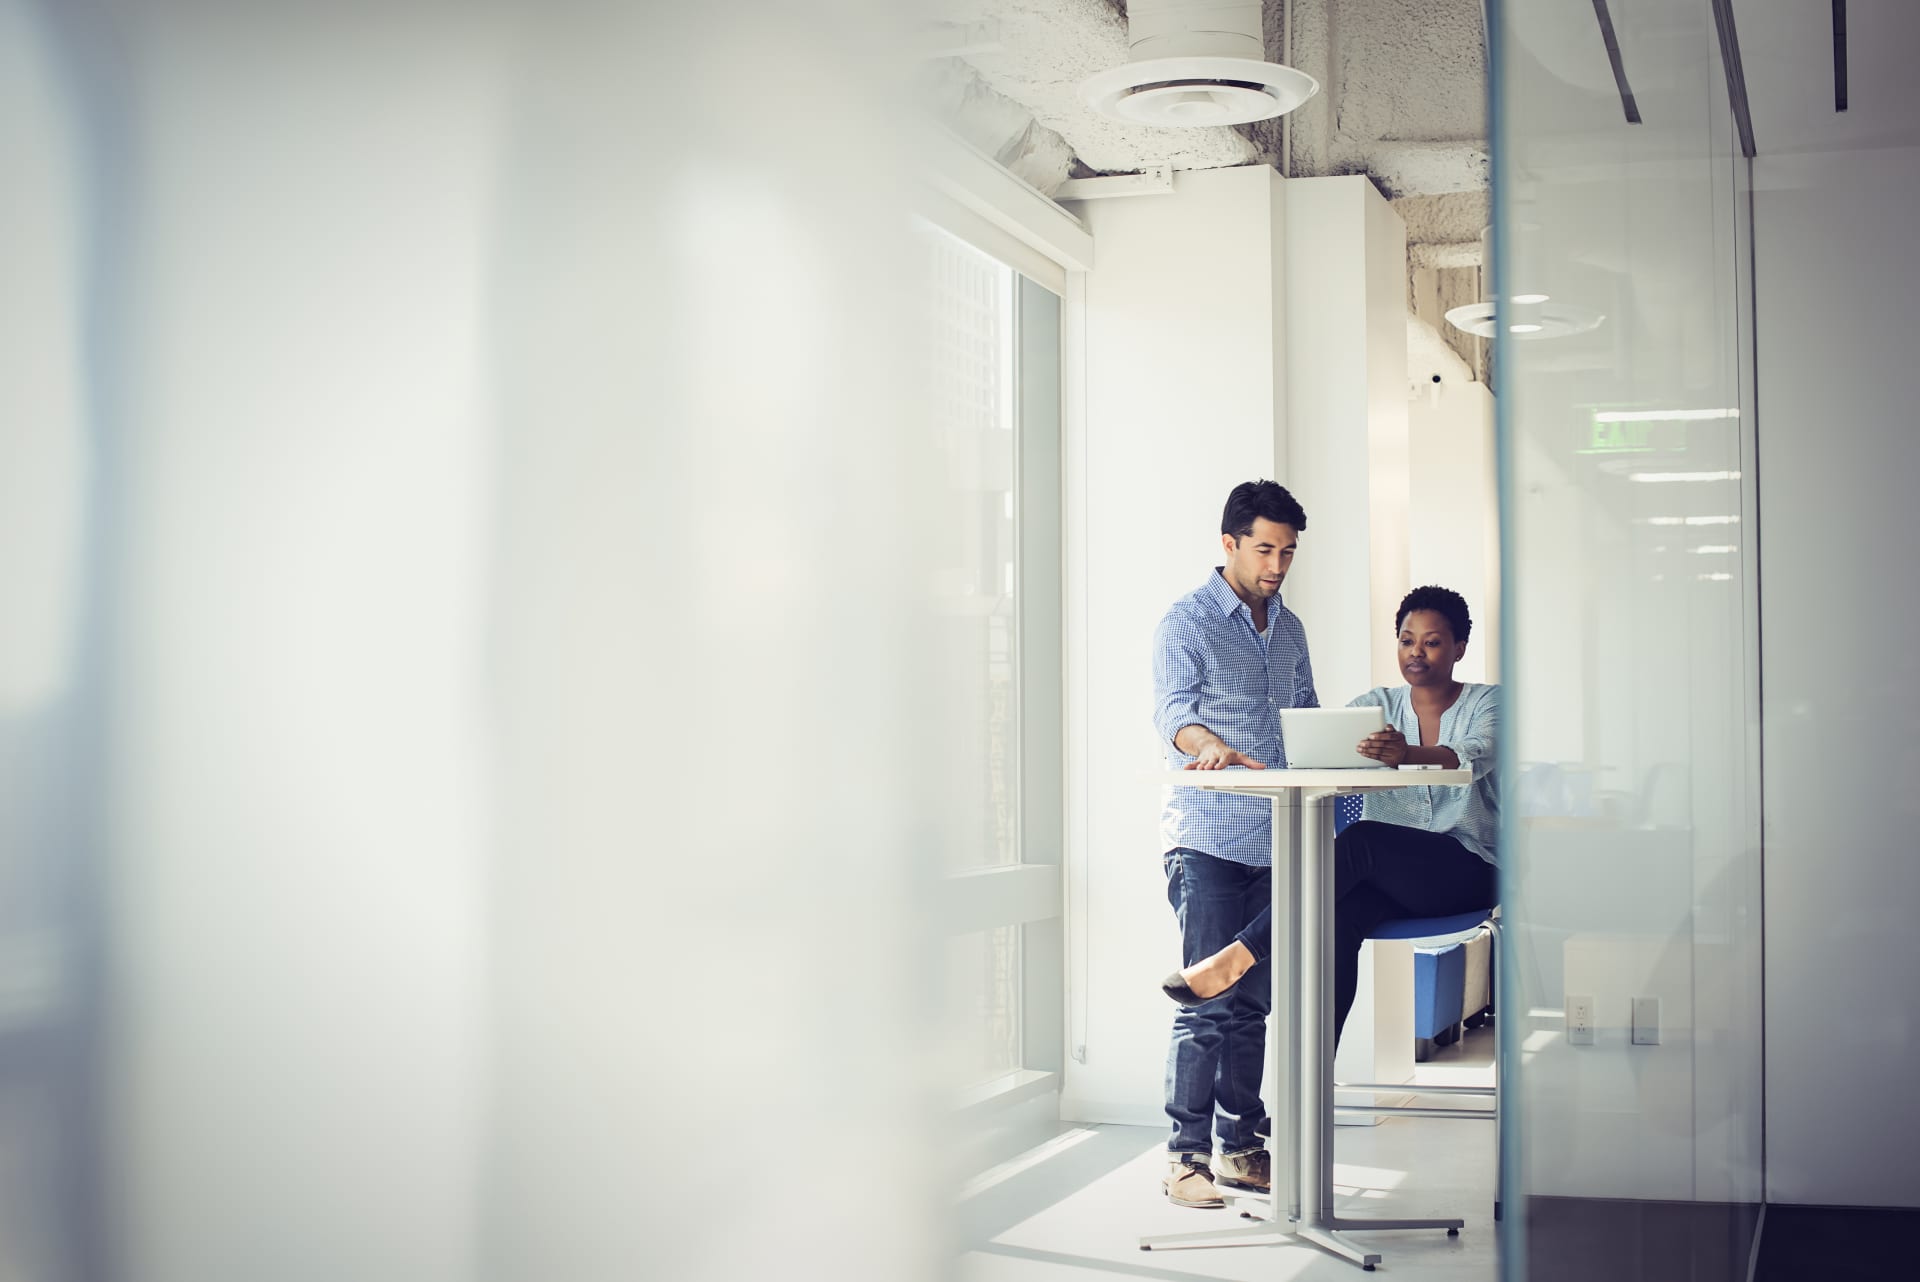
(1193, 29)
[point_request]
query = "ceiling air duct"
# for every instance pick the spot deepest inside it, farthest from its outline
(1196, 63)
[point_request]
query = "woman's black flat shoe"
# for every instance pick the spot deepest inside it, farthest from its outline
(1175, 987)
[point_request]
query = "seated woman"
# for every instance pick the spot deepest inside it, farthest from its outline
(1417, 852)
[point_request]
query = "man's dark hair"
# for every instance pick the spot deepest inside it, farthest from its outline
(1443, 601)
(1252, 500)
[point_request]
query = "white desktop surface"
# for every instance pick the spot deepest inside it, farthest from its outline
(1261, 782)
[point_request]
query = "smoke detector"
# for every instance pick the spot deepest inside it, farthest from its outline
(1194, 63)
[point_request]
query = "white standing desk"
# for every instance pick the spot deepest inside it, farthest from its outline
(1300, 1029)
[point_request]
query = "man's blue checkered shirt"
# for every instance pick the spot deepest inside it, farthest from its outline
(1210, 668)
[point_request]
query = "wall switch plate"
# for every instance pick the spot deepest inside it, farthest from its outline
(1579, 1021)
(1646, 1021)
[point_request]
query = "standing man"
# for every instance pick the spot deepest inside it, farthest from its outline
(1226, 659)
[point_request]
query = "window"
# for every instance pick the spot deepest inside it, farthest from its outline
(971, 373)
(992, 375)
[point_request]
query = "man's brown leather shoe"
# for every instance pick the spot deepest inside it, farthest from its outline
(1189, 1182)
(1252, 1169)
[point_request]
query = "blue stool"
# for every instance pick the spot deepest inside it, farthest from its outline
(1460, 926)
(1439, 993)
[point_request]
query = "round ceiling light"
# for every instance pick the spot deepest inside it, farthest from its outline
(1192, 92)
(1540, 320)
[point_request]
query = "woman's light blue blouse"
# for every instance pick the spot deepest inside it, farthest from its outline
(1471, 727)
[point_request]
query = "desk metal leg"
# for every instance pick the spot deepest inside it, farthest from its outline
(1317, 1221)
(1243, 1235)
(1285, 1161)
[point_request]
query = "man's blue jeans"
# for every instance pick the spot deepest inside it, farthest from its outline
(1219, 1047)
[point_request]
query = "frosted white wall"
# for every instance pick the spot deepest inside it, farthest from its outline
(42, 399)
(1180, 329)
(298, 838)
(46, 792)
(502, 647)
(1836, 280)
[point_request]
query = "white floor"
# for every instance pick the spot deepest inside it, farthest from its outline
(1079, 1213)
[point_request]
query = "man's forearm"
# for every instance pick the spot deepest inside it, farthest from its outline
(1194, 739)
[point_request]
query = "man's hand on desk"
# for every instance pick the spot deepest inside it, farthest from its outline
(1209, 751)
(1218, 756)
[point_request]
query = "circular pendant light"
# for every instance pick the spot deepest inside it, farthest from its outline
(1540, 317)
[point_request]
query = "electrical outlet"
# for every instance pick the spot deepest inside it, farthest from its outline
(1579, 1021)
(1646, 1021)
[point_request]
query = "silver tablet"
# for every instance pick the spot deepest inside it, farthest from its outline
(1325, 738)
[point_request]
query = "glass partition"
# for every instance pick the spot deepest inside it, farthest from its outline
(1630, 999)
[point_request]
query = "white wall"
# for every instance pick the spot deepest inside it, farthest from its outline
(1195, 354)
(1181, 327)
(1383, 254)
(1453, 527)
(1348, 461)
(1837, 277)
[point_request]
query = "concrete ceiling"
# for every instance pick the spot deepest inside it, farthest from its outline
(1402, 100)
(1043, 49)
(1403, 93)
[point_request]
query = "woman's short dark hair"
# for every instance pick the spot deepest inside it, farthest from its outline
(1252, 500)
(1443, 601)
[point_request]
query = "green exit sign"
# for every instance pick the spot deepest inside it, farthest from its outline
(1647, 431)
(1620, 438)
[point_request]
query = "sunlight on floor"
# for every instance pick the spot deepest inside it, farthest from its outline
(1349, 1177)
(1078, 1211)
(1025, 1162)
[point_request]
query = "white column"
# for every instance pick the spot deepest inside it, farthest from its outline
(1347, 462)
(1345, 457)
